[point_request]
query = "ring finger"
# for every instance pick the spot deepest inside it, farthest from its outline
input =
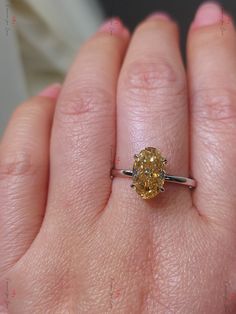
(152, 102)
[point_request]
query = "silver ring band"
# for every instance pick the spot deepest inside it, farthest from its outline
(168, 178)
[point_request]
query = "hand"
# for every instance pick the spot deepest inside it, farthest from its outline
(77, 241)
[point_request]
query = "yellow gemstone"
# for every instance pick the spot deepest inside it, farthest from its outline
(149, 173)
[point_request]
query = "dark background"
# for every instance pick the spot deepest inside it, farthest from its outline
(133, 11)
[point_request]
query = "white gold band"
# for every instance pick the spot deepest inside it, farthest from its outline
(168, 178)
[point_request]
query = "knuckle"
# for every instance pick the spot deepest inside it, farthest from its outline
(19, 164)
(143, 76)
(84, 102)
(215, 105)
(149, 83)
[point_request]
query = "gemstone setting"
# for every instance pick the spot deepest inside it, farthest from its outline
(149, 173)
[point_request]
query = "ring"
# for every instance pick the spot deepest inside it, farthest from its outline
(149, 174)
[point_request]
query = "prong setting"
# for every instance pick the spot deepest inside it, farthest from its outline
(148, 173)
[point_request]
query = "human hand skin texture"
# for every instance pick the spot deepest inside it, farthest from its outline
(73, 240)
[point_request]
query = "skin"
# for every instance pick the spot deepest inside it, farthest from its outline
(74, 241)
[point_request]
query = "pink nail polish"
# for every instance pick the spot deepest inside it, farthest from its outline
(208, 13)
(114, 26)
(159, 16)
(51, 91)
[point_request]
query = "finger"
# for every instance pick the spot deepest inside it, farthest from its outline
(152, 103)
(24, 175)
(212, 73)
(84, 129)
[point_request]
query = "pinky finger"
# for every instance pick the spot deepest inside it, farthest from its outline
(24, 163)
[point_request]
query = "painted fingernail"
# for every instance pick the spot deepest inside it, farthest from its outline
(208, 13)
(114, 26)
(159, 16)
(51, 91)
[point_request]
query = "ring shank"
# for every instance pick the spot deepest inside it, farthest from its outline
(168, 178)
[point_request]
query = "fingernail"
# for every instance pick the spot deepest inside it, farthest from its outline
(208, 13)
(114, 26)
(159, 16)
(51, 91)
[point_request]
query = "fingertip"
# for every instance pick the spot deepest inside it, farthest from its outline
(208, 13)
(114, 26)
(164, 16)
(51, 91)
(211, 13)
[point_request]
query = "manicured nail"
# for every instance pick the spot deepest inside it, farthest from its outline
(114, 26)
(51, 91)
(159, 16)
(208, 13)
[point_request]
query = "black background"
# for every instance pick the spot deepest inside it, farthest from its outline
(133, 11)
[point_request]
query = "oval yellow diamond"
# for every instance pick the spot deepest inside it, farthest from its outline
(149, 173)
